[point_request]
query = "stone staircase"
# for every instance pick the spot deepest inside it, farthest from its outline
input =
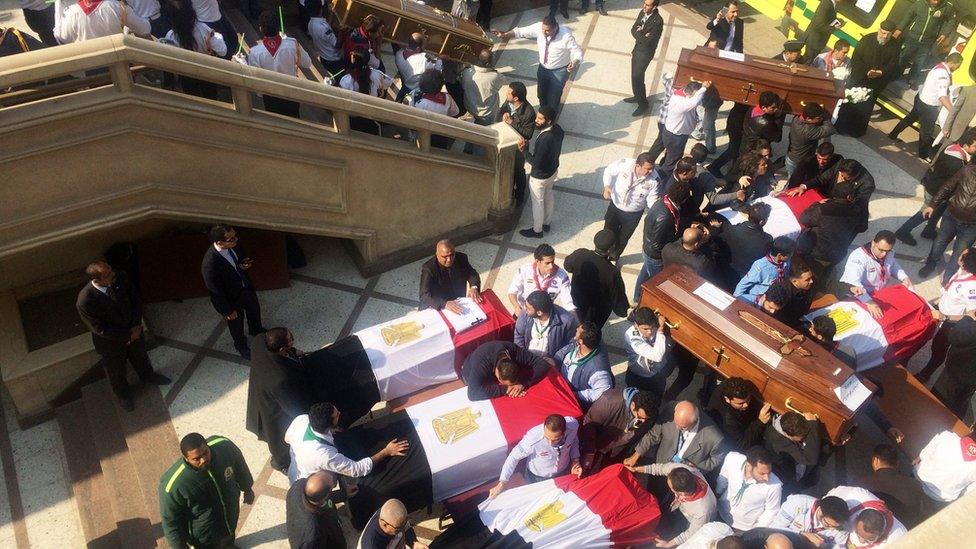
(115, 459)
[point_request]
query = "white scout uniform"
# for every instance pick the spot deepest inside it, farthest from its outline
(527, 280)
(947, 466)
(864, 270)
(628, 193)
(90, 19)
(859, 499)
(545, 460)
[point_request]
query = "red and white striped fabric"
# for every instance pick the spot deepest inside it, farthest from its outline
(906, 326)
(607, 509)
(784, 213)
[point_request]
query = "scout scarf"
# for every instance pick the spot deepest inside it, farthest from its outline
(439, 97)
(889, 519)
(673, 211)
(701, 489)
(88, 6)
(544, 284)
(780, 267)
(272, 43)
(880, 262)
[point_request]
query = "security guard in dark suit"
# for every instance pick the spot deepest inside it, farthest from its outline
(647, 30)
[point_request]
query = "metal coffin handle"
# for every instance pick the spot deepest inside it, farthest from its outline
(670, 325)
(790, 407)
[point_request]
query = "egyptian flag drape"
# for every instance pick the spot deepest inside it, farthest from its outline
(398, 358)
(906, 326)
(608, 509)
(455, 444)
(784, 213)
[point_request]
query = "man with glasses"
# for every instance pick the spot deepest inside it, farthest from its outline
(821, 521)
(446, 277)
(871, 267)
(232, 294)
(614, 423)
(310, 515)
(552, 449)
(389, 528)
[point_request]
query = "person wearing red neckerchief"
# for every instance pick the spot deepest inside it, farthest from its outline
(958, 300)
(367, 36)
(871, 524)
(280, 54)
(661, 226)
(947, 467)
(821, 521)
(692, 496)
(542, 274)
(766, 270)
(933, 95)
(90, 19)
(871, 267)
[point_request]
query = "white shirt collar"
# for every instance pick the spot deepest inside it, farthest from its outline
(103, 289)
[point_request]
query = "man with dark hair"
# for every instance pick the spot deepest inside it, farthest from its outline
(835, 58)
(958, 300)
(830, 229)
(848, 178)
(232, 294)
(310, 515)
(928, 25)
(900, 492)
(630, 185)
(312, 446)
(794, 441)
(500, 368)
(958, 222)
(727, 29)
(773, 300)
(806, 132)
(446, 277)
(822, 330)
(747, 242)
(597, 287)
(520, 115)
(823, 160)
(748, 491)
(281, 54)
(614, 424)
(646, 30)
(766, 270)
(544, 160)
(692, 497)
(541, 275)
(873, 266)
(278, 391)
(544, 327)
(552, 450)
(109, 306)
(739, 413)
(822, 25)
(871, 524)
(559, 56)
(765, 121)
(689, 251)
(200, 494)
(680, 122)
(821, 522)
(798, 287)
(931, 98)
(585, 364)
(956, 385)
(661, 226)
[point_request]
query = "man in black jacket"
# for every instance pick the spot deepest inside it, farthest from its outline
(739, 413)
(765, 121)
(109, 306)
(873, 65)
(901, 493)
(224, 269)
(806, 132)
(820, 29)
(958, 222)
(830, 229)
(956, 385)
(500, 368)
(688, 252)
(519, 114)
(824, 159)
(646, 31)
(727, 29)
(446, 277)
(799, 290)
(794, 440)
(848, 177)
(545, 165)
(747, 241)
(661, 225)
(952, 159)
(597, 287)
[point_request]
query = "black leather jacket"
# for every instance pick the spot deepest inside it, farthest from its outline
(659, 229)
(960, 192)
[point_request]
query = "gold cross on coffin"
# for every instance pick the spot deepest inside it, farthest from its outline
(749, 89)
(788, 344)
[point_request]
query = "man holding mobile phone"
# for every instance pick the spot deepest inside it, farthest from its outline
(727, 29)
(224, 268)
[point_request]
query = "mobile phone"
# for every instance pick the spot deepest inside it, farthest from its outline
(724, 12)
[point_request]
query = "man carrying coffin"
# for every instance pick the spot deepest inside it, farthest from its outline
(500, 368)
(615, 422)
(871, 267)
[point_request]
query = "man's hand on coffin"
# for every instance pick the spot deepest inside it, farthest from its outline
(516, 391)
(396, 448)
(795, 191)
(857, 291)
(875, 310)
(896, 435)
(816, 540)
(766, 413)
(496, 489)
(453, 306)
(576, 469)
(474, 294)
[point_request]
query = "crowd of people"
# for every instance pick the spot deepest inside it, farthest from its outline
(727, 469)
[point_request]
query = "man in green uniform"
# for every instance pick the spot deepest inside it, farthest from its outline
(199, 495)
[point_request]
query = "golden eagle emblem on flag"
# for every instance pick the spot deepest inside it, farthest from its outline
(844, 318)
(545, 517)
(453, 426)
(401, 333)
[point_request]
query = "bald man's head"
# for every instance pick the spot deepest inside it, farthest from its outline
(445, 253)
(319, 485)
(691, 238)
(416, 41)
(778, 541)
(685, 415)
(393, 517)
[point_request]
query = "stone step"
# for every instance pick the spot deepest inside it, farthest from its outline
(118, 467)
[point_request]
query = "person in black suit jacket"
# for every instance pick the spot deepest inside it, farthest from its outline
(446, 277)
(820, 28)
(727, 29)
(647, 30)
(224, 268)
(597, 287)
(901, 493)
(545, 166)
(500, 368)
(747, 241)
(109, 305)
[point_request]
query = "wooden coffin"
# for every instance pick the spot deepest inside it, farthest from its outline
(737, 339)
(742, 77)
(448, 36)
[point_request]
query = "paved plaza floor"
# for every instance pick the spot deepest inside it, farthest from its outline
(329, 299)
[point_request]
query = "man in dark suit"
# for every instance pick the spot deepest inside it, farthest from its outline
(224, 269)
(747, 241)
(820, 28)
(901, 493)
(614, 424)
(544, 160)
(446, 277)
(544, 327)
(500, 368)
(874, 65)
(690, 437)
(109, 305)
(727, 29)
(647, 30)
(597, 287)
(278, 391)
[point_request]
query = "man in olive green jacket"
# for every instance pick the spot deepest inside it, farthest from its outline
(199, 495)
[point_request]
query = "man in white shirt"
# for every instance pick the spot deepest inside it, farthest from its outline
(559, 56)
(552, 450)
(933, 95)
(208, 11)
(681, 120)
(312, 446)
(280, 54)
(872, 267)
(630, 185)
(90, 19)
(748, 491)
(958, 299)
(871, 523)
(585, 364)
(821, 521)
(947, 467)
(326, 44)
(713, 536)
(692, 496)
(542, 274)
(411, 62)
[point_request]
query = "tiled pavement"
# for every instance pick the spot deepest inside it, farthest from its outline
(328, 298)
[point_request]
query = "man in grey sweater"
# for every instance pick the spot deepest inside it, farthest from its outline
(692, 496)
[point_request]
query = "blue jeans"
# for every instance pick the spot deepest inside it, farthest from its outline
(964, 235)
(917, 219)
(651, 267)
(551, 84)
(790, 166)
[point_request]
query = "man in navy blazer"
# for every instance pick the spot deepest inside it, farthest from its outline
(544, 327)
(224, 269)
(727, 29)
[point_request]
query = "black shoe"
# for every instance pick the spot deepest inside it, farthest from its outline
(530, 233)
(632, 100)
(158, 379)
(929, 233)
(603, 11)
(927, 270)
(905, 237)
(126, 404)
(640, 111)
(565, 14)
(546, 228)
(895, 138)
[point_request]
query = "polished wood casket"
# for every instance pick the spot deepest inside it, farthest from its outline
(737, 339)
(742, 77)
(448, 36)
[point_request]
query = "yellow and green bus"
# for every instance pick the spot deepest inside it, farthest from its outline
(864, 17)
